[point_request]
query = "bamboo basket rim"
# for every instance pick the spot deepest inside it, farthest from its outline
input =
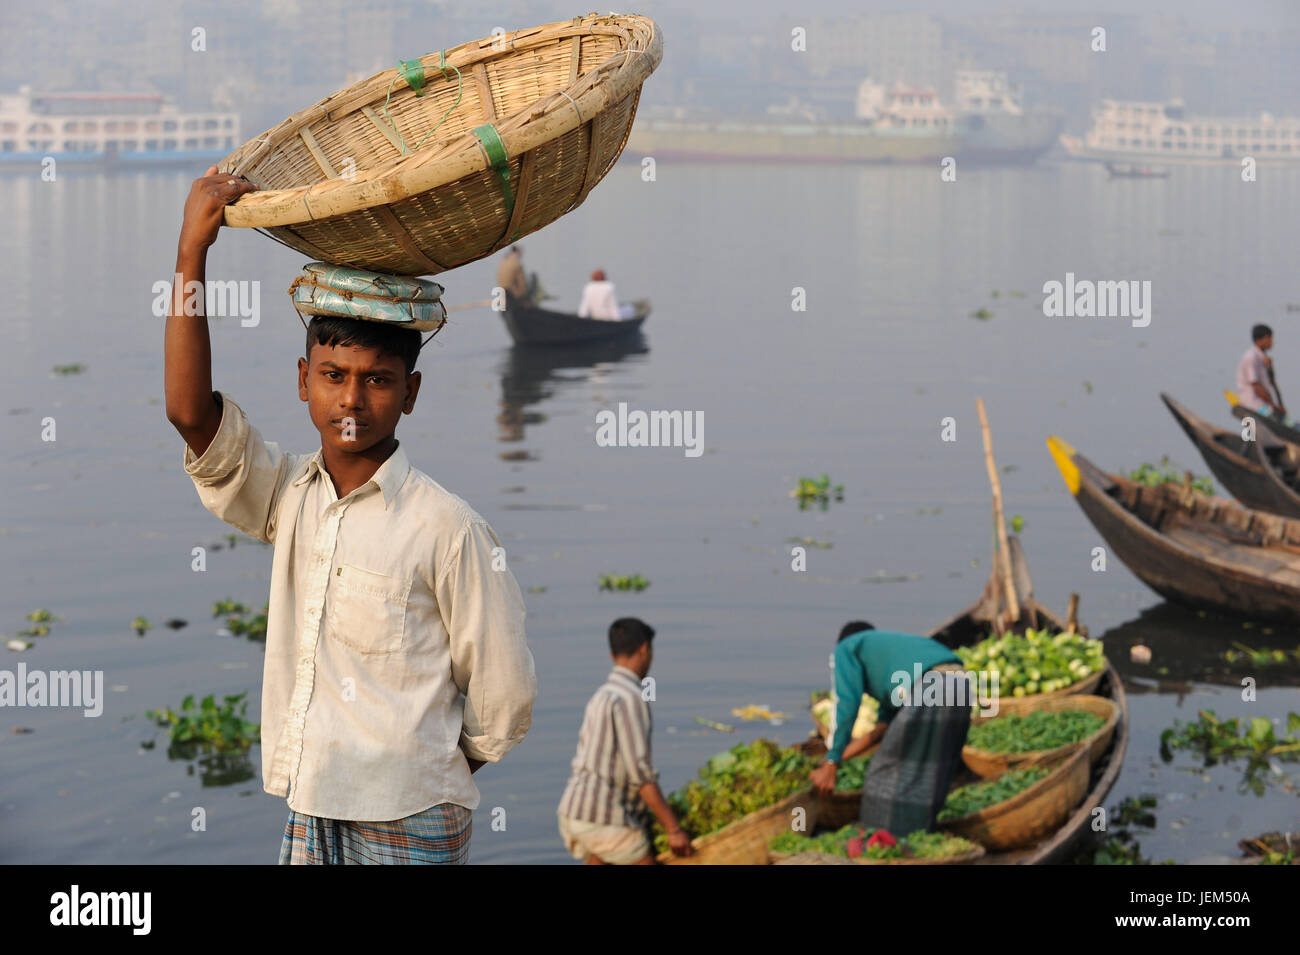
(432, 166)
(1039, 756)
(701, 843)
(1057, 774)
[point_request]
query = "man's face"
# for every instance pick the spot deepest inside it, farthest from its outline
(351, 382)
(1265, 343)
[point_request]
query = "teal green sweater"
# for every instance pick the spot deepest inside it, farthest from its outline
(867, 663)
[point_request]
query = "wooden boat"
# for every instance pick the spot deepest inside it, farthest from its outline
(1190, 547)
(1279, 429)
(1263, 474)
(1134, 171)
(533, 325)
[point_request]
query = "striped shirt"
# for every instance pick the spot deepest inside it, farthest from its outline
(613, 758)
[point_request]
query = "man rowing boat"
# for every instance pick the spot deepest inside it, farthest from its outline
(1256, 384)
(920, 744)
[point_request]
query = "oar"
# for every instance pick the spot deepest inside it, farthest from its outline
(1004, 551)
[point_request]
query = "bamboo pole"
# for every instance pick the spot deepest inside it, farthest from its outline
(1004, 555)
(464, 305)
(1072, 615)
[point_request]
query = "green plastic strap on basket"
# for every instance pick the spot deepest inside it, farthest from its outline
(413, 72)
(497, 156)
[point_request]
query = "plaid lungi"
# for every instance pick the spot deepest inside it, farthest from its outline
(908, 778)
(437, 836)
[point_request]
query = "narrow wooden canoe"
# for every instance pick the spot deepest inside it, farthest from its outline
(1261, 474)
(1279, 428)
(533, 325)
(1188, 547)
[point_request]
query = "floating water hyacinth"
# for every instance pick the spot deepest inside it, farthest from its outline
(817, 491)
(635, 582)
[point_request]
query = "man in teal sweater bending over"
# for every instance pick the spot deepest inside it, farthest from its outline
(925, 703)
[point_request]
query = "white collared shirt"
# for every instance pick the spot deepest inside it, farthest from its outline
(599, 301)
(394, 649)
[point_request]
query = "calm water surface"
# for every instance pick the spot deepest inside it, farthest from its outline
(98, 525)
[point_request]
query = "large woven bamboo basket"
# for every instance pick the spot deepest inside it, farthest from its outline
(985, 763)
(744, 842)
(520, 128)
(1029, 815)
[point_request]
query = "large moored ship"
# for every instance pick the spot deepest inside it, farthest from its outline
(111, 129)
(1164, 132)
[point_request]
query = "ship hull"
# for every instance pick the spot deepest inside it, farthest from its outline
(818, 144)
(1005, 138)
(1081, 151)
(141, 159)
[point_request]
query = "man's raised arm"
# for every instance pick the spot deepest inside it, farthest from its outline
(192, 406)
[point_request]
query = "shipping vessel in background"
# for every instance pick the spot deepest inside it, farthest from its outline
(103, 129)
(897, 124)
(1140, 132)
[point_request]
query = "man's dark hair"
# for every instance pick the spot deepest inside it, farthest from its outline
(330, 330)
(626, 634)
(1260, 331)
(852, 627)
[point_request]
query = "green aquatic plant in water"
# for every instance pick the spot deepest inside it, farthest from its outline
(611, 582)
(208, 726)
(817, 491)
(1120, 847)
(254, 628)
(1255, 740)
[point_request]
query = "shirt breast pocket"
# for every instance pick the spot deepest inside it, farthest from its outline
(368, 609)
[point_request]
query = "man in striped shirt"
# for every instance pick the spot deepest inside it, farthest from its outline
(604, 812)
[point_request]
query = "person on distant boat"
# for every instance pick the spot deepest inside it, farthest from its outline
(599, 300)
(1256, 386)
(920, 744)
(510, 275)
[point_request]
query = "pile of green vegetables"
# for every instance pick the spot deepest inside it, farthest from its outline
(851, 842)
(977, 797)
(734, 783)
(1041, 730)
(1035, 662)
(744, 779)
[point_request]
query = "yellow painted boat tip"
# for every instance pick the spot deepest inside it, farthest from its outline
(1063, 455)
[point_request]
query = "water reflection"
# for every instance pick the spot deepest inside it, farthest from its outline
(532, 375)
(1188, 646)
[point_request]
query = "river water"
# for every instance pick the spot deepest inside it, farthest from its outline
(98, 524)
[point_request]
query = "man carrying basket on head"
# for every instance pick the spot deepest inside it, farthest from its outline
(396, 663)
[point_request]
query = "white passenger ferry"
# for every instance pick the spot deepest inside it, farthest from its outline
(1164, 132)
(110, 129)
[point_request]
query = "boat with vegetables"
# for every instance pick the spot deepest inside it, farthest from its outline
(1189, 547)
(1263, 473)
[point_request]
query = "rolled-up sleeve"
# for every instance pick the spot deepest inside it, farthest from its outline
(483, 611)
(240, 477)
(632, 730)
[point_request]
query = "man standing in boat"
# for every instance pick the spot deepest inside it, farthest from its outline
(1256, 386)
(920, 744)
(510, 276)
